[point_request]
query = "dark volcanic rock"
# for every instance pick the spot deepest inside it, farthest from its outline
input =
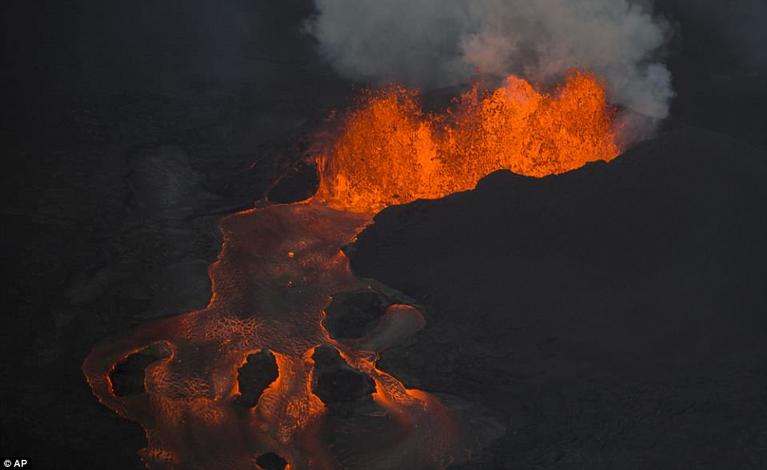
(163, 183)
(354, 314)
(254, 376)
(299, 182)
(612, 317)
(335, 381)
(127, 377)
(271, 461)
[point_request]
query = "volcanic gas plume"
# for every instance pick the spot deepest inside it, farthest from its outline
(281, 266)
(437, 43)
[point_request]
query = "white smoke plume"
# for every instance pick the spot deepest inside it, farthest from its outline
(432, 43)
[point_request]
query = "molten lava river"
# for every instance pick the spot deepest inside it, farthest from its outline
(281, 266)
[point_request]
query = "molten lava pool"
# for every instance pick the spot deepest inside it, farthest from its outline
(281, 266)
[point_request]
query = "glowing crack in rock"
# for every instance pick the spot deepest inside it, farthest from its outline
(280, 266)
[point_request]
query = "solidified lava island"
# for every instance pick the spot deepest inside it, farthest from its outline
(279, 370)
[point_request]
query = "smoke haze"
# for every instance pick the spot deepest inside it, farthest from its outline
(432, 43)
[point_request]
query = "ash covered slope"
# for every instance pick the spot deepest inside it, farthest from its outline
(612, 317)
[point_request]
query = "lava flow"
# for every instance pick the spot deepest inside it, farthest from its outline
(280, 267)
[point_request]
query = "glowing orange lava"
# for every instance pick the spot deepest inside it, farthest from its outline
(279, 267)
(390, 152)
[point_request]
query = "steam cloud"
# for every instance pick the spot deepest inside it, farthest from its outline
(431, 43)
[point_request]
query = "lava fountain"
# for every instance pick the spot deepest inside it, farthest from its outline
(390, 152)
(281, 266)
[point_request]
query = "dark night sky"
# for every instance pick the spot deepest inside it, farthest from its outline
(129, 128)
